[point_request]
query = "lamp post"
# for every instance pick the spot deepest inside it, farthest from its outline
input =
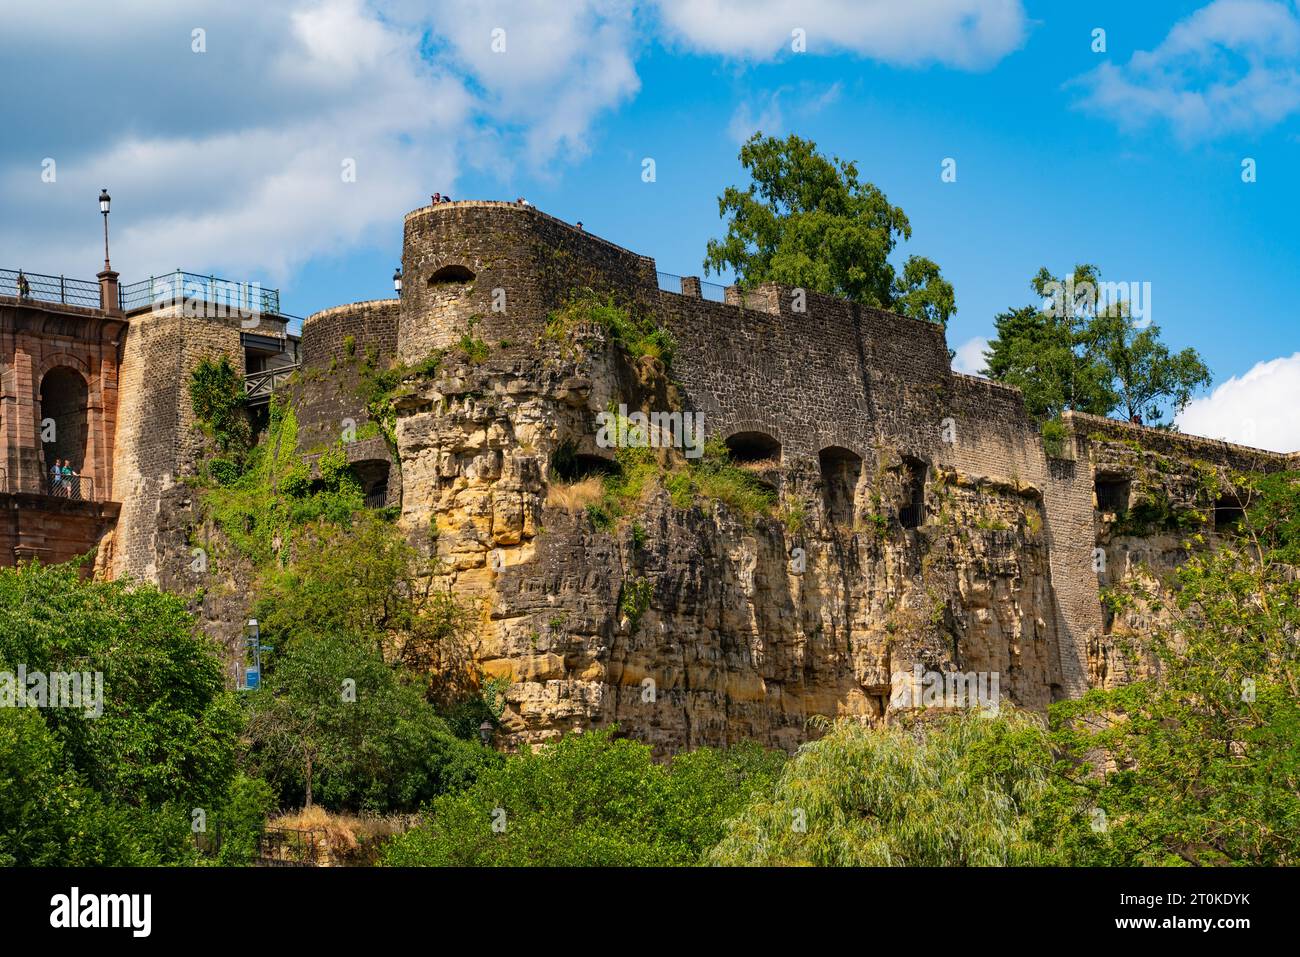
(397, 281)
(485, 732)
(104, 201)
(110, 298)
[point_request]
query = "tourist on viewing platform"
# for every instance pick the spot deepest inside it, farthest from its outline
(56, 478)
(24, 287)
(579, 225)
(67, 476)
(1135, 418)
(436, 198)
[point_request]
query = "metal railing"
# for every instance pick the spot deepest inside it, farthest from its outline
(42, 288)
(258, 386)
(180, 287)
(670, 282)
(78, 488)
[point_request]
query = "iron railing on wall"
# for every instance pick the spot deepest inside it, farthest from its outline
(42, 288)
(670, 282)
(179, 287)
(78, 488)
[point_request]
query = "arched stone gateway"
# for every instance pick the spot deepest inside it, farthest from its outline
(64, 420)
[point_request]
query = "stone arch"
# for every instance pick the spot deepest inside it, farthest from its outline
(841, 470)
(64, 422)
(56, 359)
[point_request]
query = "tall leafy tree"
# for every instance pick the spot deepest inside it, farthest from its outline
(85, 786)
(1081, 352)
(335, 722)
(1146, 376)
(805, 220)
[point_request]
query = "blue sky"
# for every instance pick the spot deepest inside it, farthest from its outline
(227, 159)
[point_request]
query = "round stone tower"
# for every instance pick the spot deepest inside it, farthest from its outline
(502, 267)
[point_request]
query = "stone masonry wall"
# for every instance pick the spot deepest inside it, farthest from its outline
(158, 442)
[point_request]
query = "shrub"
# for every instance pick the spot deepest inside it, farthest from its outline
(588, 799)
(953, 790)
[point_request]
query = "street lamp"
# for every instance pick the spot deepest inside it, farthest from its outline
(397, 280)
(104, 201)
(485, 731)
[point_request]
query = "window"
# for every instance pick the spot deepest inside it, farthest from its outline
(1228, 513)
(754, 448)
(1112, 493)
(64, 401)
(450, 275)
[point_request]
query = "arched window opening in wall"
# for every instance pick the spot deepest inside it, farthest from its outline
(912, 514)
(757, 449)
(64, 430)
(452, 275)
(841, 469)
(373, 476)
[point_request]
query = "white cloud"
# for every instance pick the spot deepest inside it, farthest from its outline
(969, 34)
(1231, 67)
(970, 356)
(544, 69)
(1256, 409)
(233, 159)
(230, 160)
(766, 113)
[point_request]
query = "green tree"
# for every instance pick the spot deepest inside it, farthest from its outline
(1045, 352)
(119, 786)
(805, 220)
(1198, 760)
(956, 789)
(922, 293)
(1145, 375)
(588, 800)
(1083, 352)
(334, 721)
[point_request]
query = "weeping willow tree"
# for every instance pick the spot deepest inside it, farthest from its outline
(939, 789)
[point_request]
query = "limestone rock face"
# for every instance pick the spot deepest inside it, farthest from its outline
(750, 626)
